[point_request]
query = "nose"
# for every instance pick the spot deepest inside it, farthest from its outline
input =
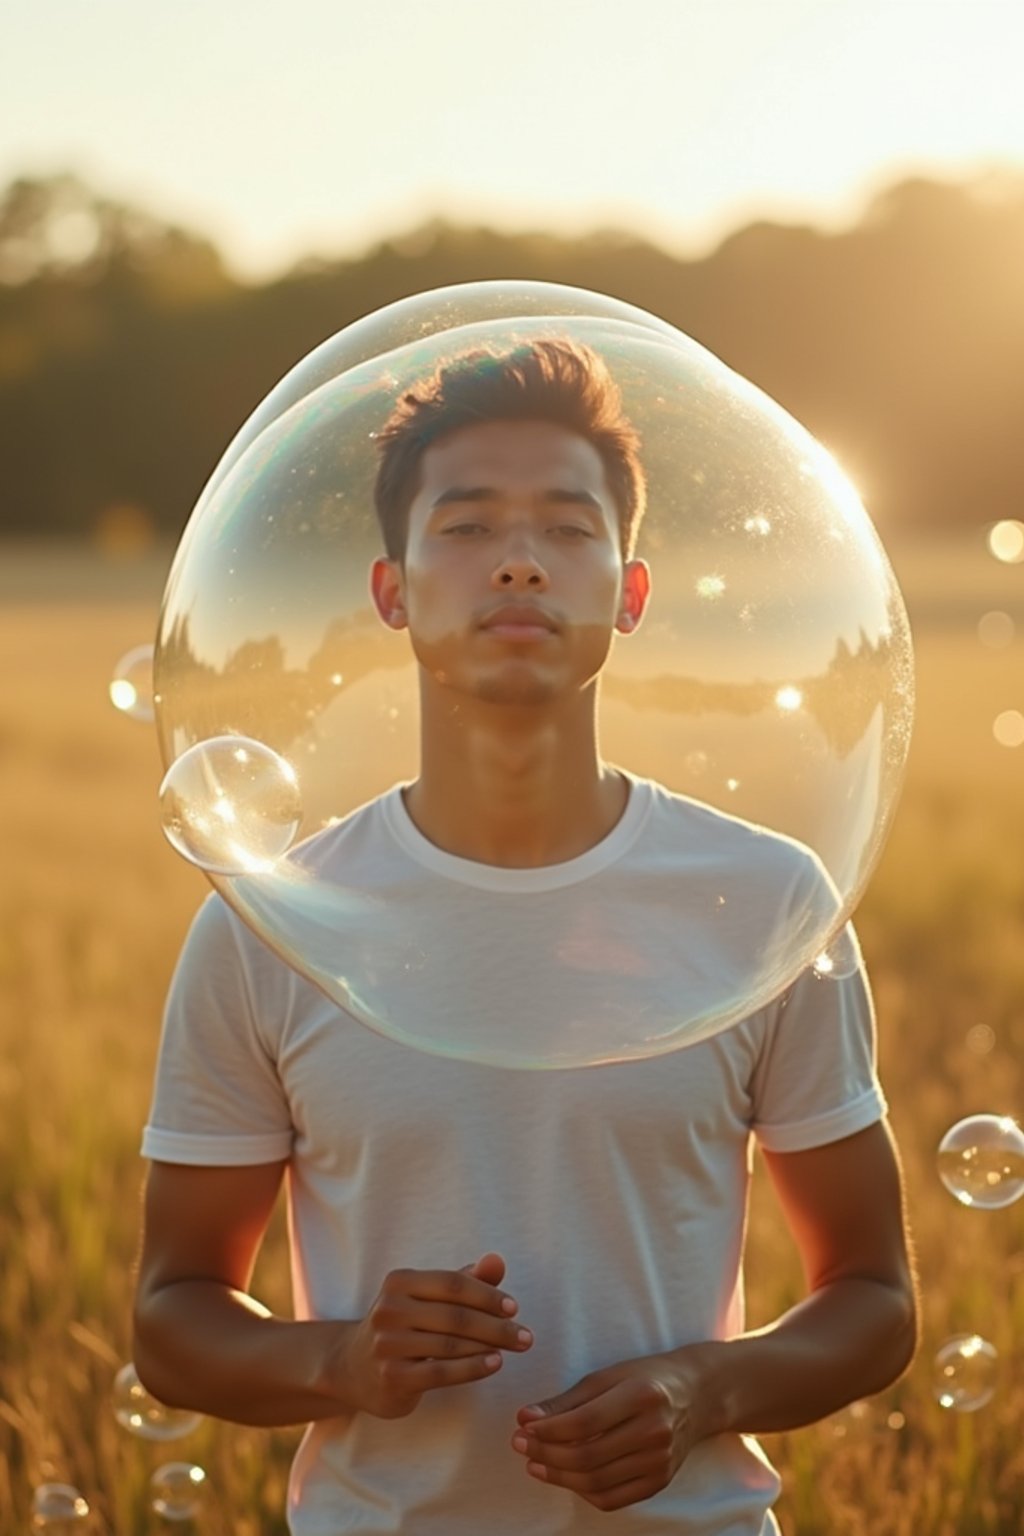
(519, 568)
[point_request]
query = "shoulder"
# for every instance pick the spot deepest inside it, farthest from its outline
(352, 842)
(719, 842)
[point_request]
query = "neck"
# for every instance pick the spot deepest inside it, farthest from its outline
(513, 785)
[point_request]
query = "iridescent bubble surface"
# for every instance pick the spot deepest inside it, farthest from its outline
(981, 1161)
(178, 1490)
(140, 1413)
(131, 686)
(231, 805)
(964, 1373)
(770, 680)
(59, 1509)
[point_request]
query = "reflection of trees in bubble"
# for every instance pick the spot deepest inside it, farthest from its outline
(842, 700)
(257, 694)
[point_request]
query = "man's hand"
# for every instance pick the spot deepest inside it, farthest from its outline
(431, 1328)
(616, 1438)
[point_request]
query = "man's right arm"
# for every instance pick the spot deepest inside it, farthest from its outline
(202, 1342)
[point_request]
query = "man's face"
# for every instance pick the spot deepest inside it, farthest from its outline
(513, 580)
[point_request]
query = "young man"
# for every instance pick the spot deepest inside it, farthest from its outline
(609, 1384)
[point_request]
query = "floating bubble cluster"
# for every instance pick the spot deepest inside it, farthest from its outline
(140, 1413)
(770, 680)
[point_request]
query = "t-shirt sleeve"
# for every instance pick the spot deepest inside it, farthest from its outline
(218, 1098)
(816, 1078)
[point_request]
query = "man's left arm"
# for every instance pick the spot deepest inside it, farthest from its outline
(620, 1435)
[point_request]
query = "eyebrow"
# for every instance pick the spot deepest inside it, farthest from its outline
(559, 496)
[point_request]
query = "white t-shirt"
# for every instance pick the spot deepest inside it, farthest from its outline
(617, 1194)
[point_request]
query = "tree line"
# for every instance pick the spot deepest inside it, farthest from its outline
(129, 353)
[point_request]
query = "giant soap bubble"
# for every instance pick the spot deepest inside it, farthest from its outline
(768, 688)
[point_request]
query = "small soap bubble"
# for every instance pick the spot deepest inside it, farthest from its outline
(1008, 728)
(1006, 541)
(178, 1490)
(131, 687)
(231, 805)
(965, 1373)
(58, 1508)
(980, 1039)
(996, 629)
(981, 1161)
(138, 1411)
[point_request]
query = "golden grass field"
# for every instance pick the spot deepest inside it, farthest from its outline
(94, 907)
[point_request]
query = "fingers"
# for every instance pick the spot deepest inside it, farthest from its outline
(588, 1456)
(628, 1481)
(428, 1375)
(460, 1286)
(427, 1314)
(490, 1268)
(425, 1344)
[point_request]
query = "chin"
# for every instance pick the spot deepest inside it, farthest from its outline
(504, 690)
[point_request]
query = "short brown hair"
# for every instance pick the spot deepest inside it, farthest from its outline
(556, 380)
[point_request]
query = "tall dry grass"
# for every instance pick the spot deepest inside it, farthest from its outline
(93, 907)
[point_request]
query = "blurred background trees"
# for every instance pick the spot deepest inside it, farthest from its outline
(130, 354)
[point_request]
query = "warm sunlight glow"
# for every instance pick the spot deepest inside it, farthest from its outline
(1006, 541)
(1008, 728)
(122, 694)
(794, 110)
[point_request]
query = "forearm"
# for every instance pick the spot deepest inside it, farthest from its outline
(200, 1345)
(845, 1341)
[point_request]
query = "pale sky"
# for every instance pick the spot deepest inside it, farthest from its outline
(313, 126)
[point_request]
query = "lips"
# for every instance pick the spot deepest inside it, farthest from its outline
(519, 618)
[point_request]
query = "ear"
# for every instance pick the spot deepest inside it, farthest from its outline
(636, 589)
(387, 591)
